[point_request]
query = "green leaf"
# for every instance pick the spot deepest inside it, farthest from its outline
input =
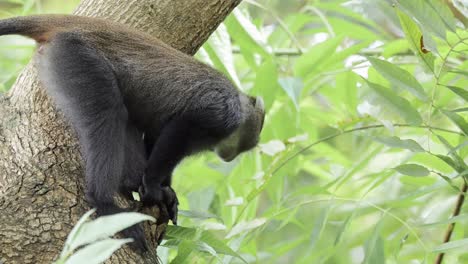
(452, 152)
(457, 119)
(308, 61)
(246, 34)
(320, 225)
(455, 219)
(396, 142)
(343, 227)
(219, 49)
(398, 104)
(442, 9)
(462, 72)
(184, 233)
(184, 249)
(97, 252)
(399, 77)
(414, 36)
(106, 226)
(219, 245)
(266, 82)
(293, 88)
(198, 215)
(74, 232)
(412, 170)
(193, 234)
(463, 93)
(428, 16)
(273, 147)
(374, 247)
(245, 227)
(450, 162)
(451, 245)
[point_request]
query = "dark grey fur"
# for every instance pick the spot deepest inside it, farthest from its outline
(117, 86)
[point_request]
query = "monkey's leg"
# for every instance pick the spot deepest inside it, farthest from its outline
(84, 87)
(135, 162)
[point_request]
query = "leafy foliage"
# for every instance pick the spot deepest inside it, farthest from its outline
(365, 144)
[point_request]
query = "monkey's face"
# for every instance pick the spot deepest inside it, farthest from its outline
(247, 135)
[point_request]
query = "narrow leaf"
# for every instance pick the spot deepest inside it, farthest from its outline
(374, 247)
(450, 162)
(451, 245)
(293, 88)
(427, 17)
(399, 104)
(273, 147)
(97, 252)
(399, 77)
(246, 226)
(412, 170)
(396, 142)
(246, 34)
(75, 231)
(106, 226)
(463, 93)
(184, 249)
(414, 37)
(458, 120)
(219, 49)
(458, 218)
(308, 61)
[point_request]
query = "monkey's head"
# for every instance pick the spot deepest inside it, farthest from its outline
(247, 135)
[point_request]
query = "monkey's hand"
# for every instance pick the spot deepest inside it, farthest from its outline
(164, 197)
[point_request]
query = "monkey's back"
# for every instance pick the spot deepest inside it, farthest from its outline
(155, 79)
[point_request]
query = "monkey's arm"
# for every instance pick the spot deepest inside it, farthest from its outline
(169, 149)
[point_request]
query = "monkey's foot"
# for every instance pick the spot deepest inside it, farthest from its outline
(171, 202)
(165, 198)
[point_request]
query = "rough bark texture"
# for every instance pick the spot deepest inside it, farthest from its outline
(41, 175)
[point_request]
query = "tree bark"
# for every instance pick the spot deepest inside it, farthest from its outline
(41, 174)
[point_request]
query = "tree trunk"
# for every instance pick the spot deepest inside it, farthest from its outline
(41, 174)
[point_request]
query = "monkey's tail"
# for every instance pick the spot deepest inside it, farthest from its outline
(35, 27)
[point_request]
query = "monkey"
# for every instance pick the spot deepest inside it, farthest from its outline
(138, 107)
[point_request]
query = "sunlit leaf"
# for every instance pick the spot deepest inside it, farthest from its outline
(450, 162)
(193, 234)
(429, 15)
(462, 243)
(246, 227)
(273, 147)
(245, 33)
(398, 104)
(412, 170)
(396, 142)
(319, 225)
(317, 54)
(458, 120)
(266, 82)
(374, 247)
(198, 215)
(399, 77)
(97, 252)
(184, 249)
(455, 219)
(414, 37)
(106, 226)
(293, 88)
(219, 50)
(463, 93)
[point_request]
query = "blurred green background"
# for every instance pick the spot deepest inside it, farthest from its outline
(364, 148)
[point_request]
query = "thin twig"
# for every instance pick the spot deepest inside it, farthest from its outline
(451, 226)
